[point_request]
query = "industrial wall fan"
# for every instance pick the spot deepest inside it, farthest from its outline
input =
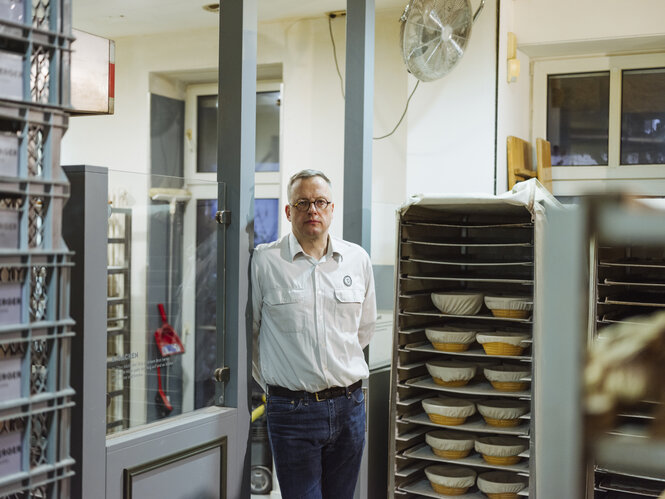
(434, 35)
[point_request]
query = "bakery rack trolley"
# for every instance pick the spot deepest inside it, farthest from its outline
(628, 280)
(118, 318)
(476, 243)
(627, 240)
(36, 329)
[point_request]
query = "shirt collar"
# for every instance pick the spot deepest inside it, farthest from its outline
(334, 250)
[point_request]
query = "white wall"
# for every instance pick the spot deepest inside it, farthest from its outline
(513, 117)
(542, 21)
(313, 108)
(566, 27)
(450, 145)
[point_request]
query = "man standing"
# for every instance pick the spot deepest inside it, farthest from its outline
(314, 309)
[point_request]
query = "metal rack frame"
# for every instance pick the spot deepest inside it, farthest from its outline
(467, 265)
(568, 237)
(121, 323)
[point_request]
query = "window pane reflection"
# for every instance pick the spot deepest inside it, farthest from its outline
(267, 131)
(578, 118)
(206, 126)
(205, 360)
(643, 117)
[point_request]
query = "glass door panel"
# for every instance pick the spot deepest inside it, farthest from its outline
(161, 292)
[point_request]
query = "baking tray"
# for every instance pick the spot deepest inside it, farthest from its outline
(436, 313)
(471, 352)
(423, 488)
(472, 263)
(474, 423)
(424, 451)
(481, 388)
(469, 244)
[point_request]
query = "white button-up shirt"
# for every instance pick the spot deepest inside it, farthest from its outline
(311, 319)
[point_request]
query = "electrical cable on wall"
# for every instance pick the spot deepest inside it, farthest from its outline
(341, 81)
(332, 39)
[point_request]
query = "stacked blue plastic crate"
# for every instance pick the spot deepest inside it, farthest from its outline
(35, 327)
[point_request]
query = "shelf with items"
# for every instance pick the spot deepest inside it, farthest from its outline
(36, 331)
(35, 46)
(118, 318)
(629, 285)
(458, 246)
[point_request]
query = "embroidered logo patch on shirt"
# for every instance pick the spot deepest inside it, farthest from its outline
(347, 280)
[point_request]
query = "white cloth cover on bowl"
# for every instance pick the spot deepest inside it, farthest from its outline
(451, 407)
(450, 440)
(501, 482)
(506, 372)
(503, 337)
(503, 409)
(451, 476)
(508, 302)
(458, 302)
(451, 370)
(450, 335)
(501, 446)
(481, 364)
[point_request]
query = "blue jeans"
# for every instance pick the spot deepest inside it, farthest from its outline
(317, 446)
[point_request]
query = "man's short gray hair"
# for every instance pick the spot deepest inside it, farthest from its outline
(302, 174)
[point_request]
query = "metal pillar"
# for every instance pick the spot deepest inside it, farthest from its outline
(358, 121)
(236, 126)
(560, 341)
(85, 233)
(358, 124)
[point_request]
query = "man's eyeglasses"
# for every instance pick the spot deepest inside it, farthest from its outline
(303, 204)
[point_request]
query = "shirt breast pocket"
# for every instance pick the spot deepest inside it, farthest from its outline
(348, 307)
(286, 309)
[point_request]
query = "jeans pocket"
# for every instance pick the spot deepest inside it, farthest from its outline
(358, 396)
(282, 405)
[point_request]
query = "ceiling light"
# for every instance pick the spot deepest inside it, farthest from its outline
(211, 7)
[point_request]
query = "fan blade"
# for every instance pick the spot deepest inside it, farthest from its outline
(423, 45)
(459, 48)
(439, 43)
(458, 20)
(434, 17)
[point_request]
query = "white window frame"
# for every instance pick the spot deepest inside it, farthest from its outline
(267, 184)
(576, 180)
(204, 186)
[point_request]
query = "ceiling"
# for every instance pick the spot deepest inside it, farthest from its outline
(118, 18)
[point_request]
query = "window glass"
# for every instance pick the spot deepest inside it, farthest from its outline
(266, 220)
(267, 131)
(643, 117)
(578, 118)
(206, 126)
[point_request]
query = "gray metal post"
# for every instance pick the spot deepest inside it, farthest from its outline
(559, 347)
(85, 233)
(358, 125)
(358, 122)
(236, 126)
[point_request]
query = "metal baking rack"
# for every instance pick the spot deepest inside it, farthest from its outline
(614, 243)
(629, 281)
(464, 244)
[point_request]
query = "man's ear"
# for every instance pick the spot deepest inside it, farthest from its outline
(287, 210)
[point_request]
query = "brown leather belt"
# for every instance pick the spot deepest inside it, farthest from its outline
(328, 393)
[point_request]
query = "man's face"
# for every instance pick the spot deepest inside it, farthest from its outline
(312, 224)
